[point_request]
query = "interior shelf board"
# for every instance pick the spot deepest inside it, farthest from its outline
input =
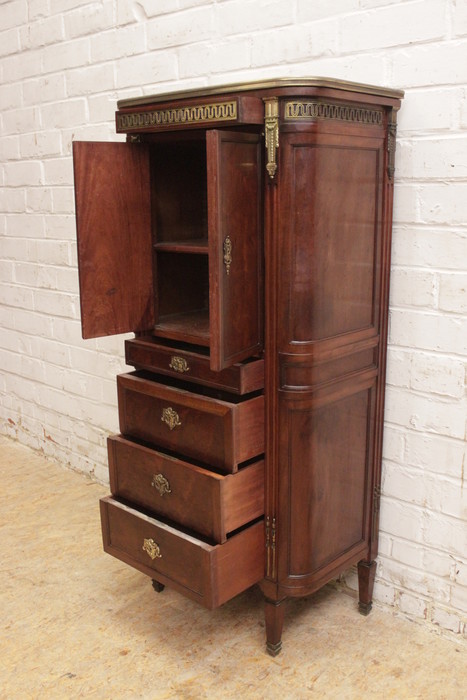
(191, 327)
(198, 245)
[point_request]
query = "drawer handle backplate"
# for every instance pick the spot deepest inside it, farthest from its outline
(152, 548)
(179, 364)
(160, 483)
(170, 418)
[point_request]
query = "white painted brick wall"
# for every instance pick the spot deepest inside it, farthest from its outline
(63, 65)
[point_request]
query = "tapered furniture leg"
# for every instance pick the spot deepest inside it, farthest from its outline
(158, 587)
(274, 617)
(366, 580)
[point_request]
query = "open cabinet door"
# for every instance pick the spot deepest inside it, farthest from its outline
(113, 217)
(235, 246)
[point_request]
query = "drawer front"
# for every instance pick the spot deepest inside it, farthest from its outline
(215, 431)
(147, 353)
(209, 503)
(211, 574)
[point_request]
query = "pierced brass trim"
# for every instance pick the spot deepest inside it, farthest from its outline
(179, 364)
(392, 129)
(194, 114)
(152, 549)
(170, 418)
(161, 484)
(376, 506)
(227, 254)
(273, 546)
(271, 133)
(309, 110)
(270, 547)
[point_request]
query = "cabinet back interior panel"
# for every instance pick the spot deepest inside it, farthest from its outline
(178, 188)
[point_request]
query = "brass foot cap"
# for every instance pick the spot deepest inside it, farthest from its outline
(158, 587)
(365, 608)
(273, 649)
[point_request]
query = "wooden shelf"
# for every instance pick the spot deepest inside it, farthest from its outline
(192, 327)
(197, 246)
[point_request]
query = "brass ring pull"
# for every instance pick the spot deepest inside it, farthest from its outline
(179, 364)
(160, 483)
(227, 254)
(152, 549)
(170, 418)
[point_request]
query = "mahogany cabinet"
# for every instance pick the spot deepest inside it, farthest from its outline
(243, 234)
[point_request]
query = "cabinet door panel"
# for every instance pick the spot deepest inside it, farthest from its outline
(328, 449)
(113, 215)
(235, 247)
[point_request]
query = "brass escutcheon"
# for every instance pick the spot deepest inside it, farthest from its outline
(152, 548)
(170, 418)
(179, 364)
(160, 483)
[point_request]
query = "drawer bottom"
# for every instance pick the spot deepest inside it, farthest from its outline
(210, 574)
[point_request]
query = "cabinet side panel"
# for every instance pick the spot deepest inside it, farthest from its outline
(328, 455)
(112, 190)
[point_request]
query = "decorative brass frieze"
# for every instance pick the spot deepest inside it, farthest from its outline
(227, 254)
(152, 549)
(309, 110)
(271, 133)
(161, 484)
(170, 418)
(173, 116)
(179, 364)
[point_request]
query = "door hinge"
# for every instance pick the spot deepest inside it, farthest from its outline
(392, 130)
(270, 547)
(376, 506)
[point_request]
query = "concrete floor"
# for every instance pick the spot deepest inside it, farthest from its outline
(77, 623)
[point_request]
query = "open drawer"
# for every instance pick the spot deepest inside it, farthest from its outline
(193, 365)
(210, 574)
(197, 498)
(219, 429)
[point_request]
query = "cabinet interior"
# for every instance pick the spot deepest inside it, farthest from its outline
(180, 238)
(182, 297)
(179, 190)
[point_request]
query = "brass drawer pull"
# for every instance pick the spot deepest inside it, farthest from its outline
(160, 483)
(179, 364)
(152, 549)
(227, 254)
(170, 418)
